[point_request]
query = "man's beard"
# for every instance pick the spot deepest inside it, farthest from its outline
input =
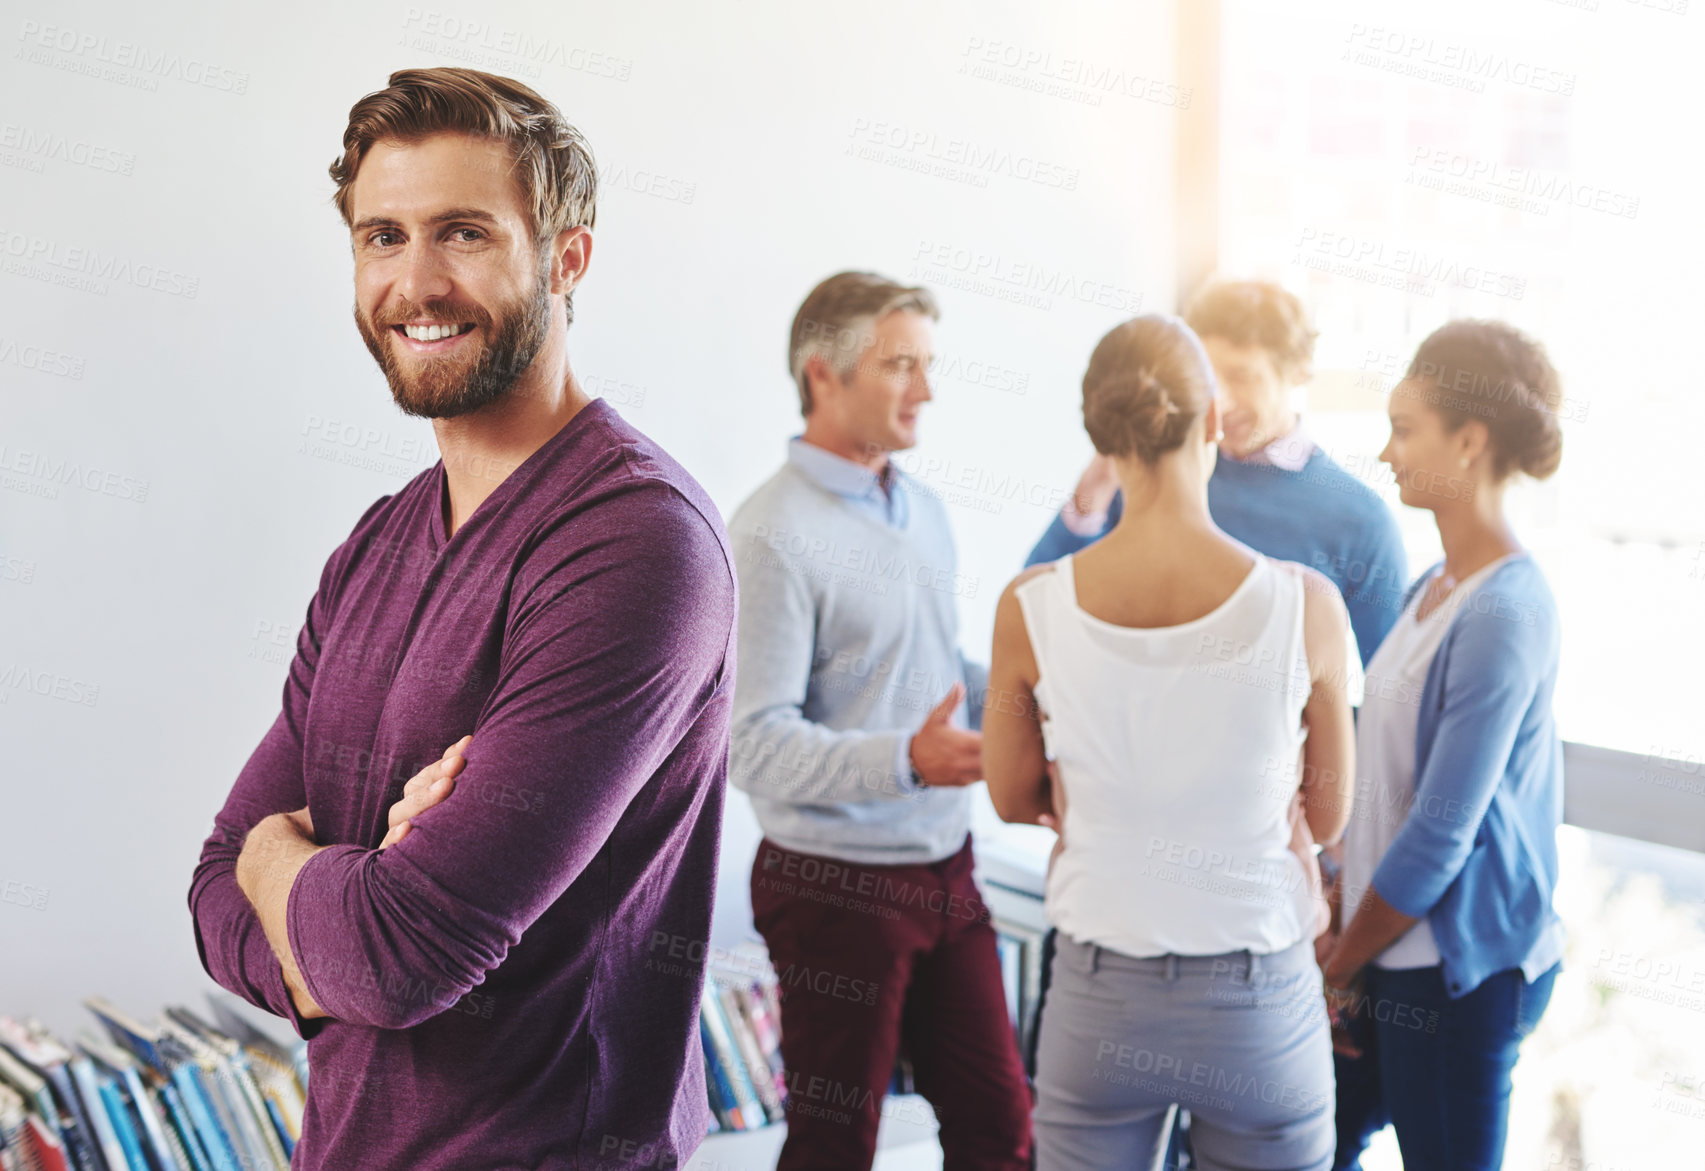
(442, 388)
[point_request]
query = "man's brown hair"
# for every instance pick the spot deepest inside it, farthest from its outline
(1257, 313)
(559, 180)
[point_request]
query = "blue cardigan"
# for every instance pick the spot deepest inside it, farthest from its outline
(1319, 515)
(1477, 854)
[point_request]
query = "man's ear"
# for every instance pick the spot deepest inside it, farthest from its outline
(570, 256)
(822, 380)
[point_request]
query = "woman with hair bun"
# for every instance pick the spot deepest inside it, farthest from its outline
(1167, 678)
(1452, 945)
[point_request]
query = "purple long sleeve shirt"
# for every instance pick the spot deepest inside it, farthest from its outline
(495, 983)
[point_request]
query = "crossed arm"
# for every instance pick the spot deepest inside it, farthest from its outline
(609, 658)
(279, 846)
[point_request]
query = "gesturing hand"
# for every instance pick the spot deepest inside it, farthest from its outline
(942, 754)
(425, 789)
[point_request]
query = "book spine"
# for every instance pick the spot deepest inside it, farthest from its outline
(73, 1123)
(153, 1126)
(220, 1154)
(101, 1131)
(193, 1155)
(744, 1097)
(284, 1139)
(751, 1000)
(222, 1096)
(751, 1057)
(13, 1154)
(119, 1115)
(46, 1146)
(722, 1102)
(254, 1112)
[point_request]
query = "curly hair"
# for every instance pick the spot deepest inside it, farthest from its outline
(1493, 372)
(1257, 313)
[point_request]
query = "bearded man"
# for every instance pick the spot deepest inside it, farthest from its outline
(465, 934)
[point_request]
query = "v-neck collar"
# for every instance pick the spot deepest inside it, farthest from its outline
(511, 483)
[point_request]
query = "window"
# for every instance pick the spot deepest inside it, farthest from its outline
(1401, 164)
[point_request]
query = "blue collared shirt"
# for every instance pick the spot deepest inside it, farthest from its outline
(884, 497)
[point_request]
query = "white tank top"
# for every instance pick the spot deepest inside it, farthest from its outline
(1177, 749)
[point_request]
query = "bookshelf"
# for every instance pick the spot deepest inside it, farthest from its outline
(231, 1092)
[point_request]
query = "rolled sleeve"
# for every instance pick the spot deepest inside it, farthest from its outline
(229, 938)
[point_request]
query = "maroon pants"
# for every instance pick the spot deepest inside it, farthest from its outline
(873, 958)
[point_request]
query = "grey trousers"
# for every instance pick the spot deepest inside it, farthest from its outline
(1239, 1040)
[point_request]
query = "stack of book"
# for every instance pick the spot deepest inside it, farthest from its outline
(174, 1095)
(740, 1027)
(180, 1094)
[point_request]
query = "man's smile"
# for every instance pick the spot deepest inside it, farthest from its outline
(432, 337)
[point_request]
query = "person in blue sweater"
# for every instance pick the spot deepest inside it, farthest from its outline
(1452, 945)
(1272, 488)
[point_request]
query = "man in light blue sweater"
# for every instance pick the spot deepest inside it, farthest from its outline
(850, 714)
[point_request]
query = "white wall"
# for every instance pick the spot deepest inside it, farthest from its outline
(174, 468)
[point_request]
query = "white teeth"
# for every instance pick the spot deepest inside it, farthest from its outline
(431, 333)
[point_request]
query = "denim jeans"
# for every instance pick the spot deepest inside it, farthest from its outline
(1438, 1069)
